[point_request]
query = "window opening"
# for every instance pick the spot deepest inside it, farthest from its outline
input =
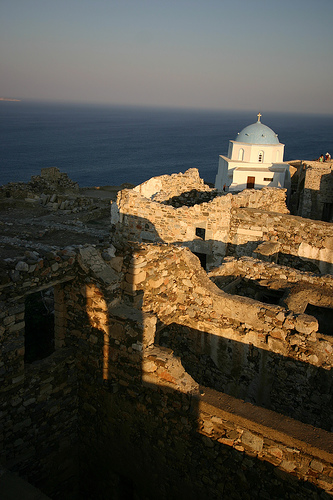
(39, 325)
(268, 179)
(261, 157)
(200, 232)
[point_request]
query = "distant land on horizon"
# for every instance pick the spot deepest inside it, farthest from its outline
(9, 99)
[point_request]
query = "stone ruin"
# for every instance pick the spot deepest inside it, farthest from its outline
(251, 222)
(156, 378)
(51, 180)
(312, 190)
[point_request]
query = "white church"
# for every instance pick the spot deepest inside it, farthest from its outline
(254, 160)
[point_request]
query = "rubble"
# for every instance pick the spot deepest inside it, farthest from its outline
(217, 383)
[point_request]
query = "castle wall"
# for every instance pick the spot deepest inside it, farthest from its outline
(143, 220)
(38, 417)
(232, 225)
(137, 218)
(166, 187)
(148, 419)
(271, 273)
(316, 198)
(296, 238)
(116, 403)
(155, 441)
(248, 342)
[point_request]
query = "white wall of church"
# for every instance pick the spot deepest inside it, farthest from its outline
(249, 153)
(262, 179)
(222, 174)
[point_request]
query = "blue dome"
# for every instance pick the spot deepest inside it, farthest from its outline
(257, 133)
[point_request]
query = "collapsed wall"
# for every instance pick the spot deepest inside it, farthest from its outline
(38, 417)
(159, 383)
(226, 225)
(225, 326)
(164, 188)
(315, 191)
(117, 400)
(149, 416)
(51, 181)
(298, 242)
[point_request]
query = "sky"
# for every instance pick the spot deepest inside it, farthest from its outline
(208, 54)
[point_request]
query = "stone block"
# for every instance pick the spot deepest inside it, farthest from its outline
(287, 465)
(117, 263)
(316, 465)
(208, 427)
(326, 483)
(226, 441)
(276, 345)
(276, 452)
(117, 331)
(249, 232)
(9, 320)
(149, 330)
(328, 242)
(137, 346)
(134, 279)
(22, 266)
(149, 366)
(252, 441)
(277, 333)
(16, 327)
(306, 324)
(128, 287)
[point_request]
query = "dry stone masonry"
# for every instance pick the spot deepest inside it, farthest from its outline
(226, 225)
(313, 192)
(162, 380)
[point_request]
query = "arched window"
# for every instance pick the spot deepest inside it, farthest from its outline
(261, 157)
(241, 154)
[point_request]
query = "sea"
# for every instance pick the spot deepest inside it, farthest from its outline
(100, 145)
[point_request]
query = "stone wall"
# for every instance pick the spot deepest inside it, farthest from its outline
(40, 397)
(226, 225)
(255, 278)
(270, 273)
(315, 191)
(38, 417)
(166, 187)
(297, 239)
(147, 417)
(142, 214)
(151, 441)
(117, 404)
(51, 181)
(247, 341)
(143, 220)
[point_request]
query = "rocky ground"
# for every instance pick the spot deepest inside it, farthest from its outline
(30, 222)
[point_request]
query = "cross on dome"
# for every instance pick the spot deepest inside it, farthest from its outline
(259, 115)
